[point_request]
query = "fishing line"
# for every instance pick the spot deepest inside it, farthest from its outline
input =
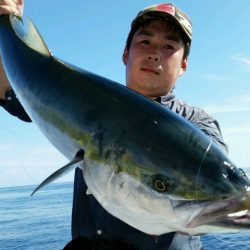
(10, 131)
(235, 242)
(17, 141)
(199, 170)
(28, 175)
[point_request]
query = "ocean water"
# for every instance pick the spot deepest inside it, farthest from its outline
(43, 221)
(35, 223)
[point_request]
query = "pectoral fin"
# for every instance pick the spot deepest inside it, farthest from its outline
(62, 171)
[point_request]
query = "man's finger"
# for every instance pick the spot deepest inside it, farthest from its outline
(9, 2)
(9, 10)
(20, 6)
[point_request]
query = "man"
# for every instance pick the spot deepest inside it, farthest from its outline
(155, 55)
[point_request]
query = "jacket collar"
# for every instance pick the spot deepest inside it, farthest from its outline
(166, 98)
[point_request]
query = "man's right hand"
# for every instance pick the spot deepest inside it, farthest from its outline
(11, 7)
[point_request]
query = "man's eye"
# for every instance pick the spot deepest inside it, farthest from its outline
(145, 41)
(168, 46)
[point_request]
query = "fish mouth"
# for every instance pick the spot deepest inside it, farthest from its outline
(231, 213)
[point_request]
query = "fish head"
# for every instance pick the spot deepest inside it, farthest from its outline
(212, 195)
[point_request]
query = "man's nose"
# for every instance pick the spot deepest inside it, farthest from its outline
(153, 57)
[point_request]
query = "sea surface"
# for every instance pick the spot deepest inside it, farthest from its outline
(43, 221)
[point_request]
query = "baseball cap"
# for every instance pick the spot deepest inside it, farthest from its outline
(166, 11)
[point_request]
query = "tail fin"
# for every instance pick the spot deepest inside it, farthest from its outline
(29, 34)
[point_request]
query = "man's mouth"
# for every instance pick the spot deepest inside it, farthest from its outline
(150, 70)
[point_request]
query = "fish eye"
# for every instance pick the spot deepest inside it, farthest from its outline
(160, 183)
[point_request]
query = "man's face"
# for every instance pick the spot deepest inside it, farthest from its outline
(154, 60)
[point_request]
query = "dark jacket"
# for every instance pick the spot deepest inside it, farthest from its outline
(91, 221)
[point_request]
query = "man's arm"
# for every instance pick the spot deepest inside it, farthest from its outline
(211, 127)
(8, 99)
(4, 83)
(8, 7)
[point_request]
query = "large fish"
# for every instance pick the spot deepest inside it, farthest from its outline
(144, 164)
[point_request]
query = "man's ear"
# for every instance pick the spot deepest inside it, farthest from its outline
(184, 65)
(125, 56)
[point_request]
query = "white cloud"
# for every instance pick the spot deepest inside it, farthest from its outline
(242, 58)
(214, 77)
(21, 165)
(238, 140)
(239, 129)
(234, 104)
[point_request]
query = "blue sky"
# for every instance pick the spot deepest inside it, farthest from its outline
(91, 35)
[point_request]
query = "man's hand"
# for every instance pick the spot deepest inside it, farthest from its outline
(11, 7)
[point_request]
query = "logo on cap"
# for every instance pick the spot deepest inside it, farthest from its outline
(169, 8)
